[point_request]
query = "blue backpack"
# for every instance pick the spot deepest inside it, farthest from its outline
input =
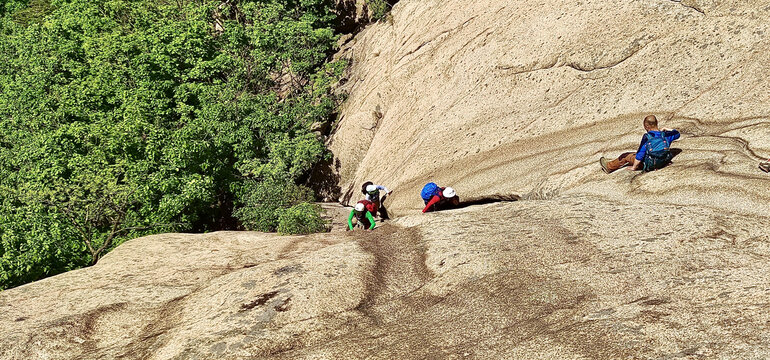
(429, 190)
(658, 153)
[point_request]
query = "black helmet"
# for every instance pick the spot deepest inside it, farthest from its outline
(363, 187)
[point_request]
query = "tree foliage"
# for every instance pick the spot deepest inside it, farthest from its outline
(122, 118)
(301, 219)
(10, 6)
(379, 9)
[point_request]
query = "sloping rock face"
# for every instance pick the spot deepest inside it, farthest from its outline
(528, 279)
(523, 97)
(494, 98)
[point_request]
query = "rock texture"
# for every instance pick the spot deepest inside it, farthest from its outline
(527, 279)
(503, 100)
(523, 97)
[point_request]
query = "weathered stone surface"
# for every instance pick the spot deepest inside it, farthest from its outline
(494, 98)
(525, 279)
(521, 97)
(185, 295)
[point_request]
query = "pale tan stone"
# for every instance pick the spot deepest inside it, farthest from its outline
(521, 98)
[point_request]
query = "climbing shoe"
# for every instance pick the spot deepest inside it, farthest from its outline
(765, 166)
(603, 163)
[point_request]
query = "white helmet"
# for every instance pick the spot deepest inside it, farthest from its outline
(371, 188)
(360, 207)
(449, 192)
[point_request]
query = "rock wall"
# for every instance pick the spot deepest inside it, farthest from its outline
(494, 98)
(524, 97)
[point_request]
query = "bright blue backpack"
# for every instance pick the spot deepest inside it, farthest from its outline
(429, 190)
(658, 153)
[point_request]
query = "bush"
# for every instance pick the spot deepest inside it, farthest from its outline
(262, 202)
(11, 6)
(33, 12)
(378, 8)
(303, 218)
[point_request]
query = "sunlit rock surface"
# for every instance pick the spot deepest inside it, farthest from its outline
(494, 98)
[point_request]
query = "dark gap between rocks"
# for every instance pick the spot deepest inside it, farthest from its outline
(487, 199)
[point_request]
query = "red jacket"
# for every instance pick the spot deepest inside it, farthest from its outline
(433, 201)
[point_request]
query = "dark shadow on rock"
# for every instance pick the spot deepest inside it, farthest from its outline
(348, 20)
(476, 200)
(324, 180)
(383, 210)
(675, 152)
(348, 196)
(488, 199)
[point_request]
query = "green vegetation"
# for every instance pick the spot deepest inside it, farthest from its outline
(11, 6)
(32, 11)
(378, 8)
(121, 118)
(301, 219)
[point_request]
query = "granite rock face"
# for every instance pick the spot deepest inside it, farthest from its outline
(524, 97)
(567, 278)
(504, 101)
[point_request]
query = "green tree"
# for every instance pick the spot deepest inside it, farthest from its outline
(302, 218)
(123, 118)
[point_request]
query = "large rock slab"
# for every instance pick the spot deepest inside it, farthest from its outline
(494, 98)
(184, 295)
(523, 97)
(527, 279)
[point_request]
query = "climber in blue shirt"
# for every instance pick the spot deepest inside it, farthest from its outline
(653, 153)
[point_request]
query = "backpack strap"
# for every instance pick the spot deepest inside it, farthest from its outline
(650, 136)
(647, 144)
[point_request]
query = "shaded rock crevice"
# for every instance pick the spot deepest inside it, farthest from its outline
(486, 199)
(354, 15)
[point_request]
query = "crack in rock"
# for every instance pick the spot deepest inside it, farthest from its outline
(560, 61)
(687, 4)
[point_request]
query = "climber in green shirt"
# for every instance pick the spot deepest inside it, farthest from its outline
(363, 216)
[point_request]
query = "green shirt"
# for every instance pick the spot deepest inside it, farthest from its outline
(368, 217)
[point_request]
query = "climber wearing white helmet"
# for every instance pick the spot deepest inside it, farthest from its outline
(363, 215)
(438, 198)
(372, 193)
